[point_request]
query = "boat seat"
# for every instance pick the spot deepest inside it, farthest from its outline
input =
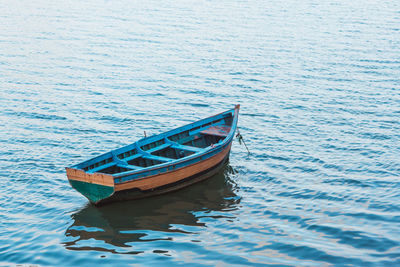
(105, 166)
(117, 160)
(158, 158)
(176, 145)
(218, 130)
(187, 148)
(130, 167)
(135, 156)
(157, 148)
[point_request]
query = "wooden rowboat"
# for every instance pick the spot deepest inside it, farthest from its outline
(158, 164)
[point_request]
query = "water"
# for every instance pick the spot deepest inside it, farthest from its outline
(319, 85)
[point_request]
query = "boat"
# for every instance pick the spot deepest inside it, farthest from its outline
(158, 164)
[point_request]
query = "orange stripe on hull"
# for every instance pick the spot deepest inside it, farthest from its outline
(95, 178)
(173, 176)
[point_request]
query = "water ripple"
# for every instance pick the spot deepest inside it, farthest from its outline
(318, 83)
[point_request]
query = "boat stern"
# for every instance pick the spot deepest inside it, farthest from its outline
(95, 187)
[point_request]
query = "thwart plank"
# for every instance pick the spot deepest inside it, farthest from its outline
(221, 130)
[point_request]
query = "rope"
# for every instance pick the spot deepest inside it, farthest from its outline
(240, 139)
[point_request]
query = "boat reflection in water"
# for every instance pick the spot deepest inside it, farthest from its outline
(118, 227)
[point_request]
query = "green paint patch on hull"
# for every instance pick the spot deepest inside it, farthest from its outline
(93, 192)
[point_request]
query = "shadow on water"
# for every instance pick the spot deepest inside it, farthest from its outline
(116, 227)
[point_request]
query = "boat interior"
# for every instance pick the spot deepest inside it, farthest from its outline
(163, 148)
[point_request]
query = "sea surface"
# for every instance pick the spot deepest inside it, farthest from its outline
(319, 88)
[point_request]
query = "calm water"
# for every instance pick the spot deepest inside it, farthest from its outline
(319, 85)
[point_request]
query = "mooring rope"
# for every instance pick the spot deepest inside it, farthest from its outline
(240, 139)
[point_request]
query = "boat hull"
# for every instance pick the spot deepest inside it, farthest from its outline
(97, 188)
(158, 164)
